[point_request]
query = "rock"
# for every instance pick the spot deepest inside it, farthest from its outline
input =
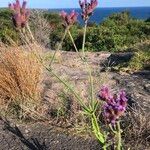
(118, 58)
(147, 87)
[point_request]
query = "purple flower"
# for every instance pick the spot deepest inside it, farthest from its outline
(69, 19)
(115, 105)
(108, 113)
(122, 98)
(104, 93)
(87, 8)
(20, 14)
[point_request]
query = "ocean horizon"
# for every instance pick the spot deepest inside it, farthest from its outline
(100, 14)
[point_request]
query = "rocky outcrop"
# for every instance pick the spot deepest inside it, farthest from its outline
(42, 136)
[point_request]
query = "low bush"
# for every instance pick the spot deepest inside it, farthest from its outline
(7, 28)
(116, 33)
(140, 59)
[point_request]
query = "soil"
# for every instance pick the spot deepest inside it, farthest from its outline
(43, 136)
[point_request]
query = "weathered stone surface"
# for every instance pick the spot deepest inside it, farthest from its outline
(118, 58)
(40, 136)
(73, 70)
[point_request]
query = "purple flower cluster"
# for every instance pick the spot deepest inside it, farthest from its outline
(20, 14)
(69, 19)
(115, 105)
(87, 8)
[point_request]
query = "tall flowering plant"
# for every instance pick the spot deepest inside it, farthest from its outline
(114, 104)
(90, 109)
(20, 14)
(68, 21)
(87, 10)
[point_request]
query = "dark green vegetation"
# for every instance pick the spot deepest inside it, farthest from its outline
(7, 30)
(140, 60)
(118, 33)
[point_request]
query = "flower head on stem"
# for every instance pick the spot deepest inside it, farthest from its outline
(115, 105)
(20, 14)
(87, 8)
(69, 19)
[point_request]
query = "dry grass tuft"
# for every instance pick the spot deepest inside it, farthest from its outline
(137, 129)
(20, 75)
(41, 28)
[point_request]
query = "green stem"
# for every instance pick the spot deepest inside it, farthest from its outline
(84, 36)
(71, 89)
(66, 85)
(59, 45)
(110, 126)
(87, 66)
(97, 132)
(72, 40)
(119, 145)
(91, 82)
(104, 147)
(91, 86)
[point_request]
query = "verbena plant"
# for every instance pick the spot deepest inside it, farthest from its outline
(114, 106)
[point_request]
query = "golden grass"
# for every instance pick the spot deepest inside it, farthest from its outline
(20, 77)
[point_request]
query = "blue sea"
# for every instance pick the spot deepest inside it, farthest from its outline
(100, 14)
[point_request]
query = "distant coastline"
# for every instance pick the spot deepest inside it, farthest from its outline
(101, 14)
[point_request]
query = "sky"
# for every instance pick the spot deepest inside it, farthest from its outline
(74, 3)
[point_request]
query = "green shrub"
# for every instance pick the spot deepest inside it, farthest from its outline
(140, 60)
(6, 27)
(116, 33)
